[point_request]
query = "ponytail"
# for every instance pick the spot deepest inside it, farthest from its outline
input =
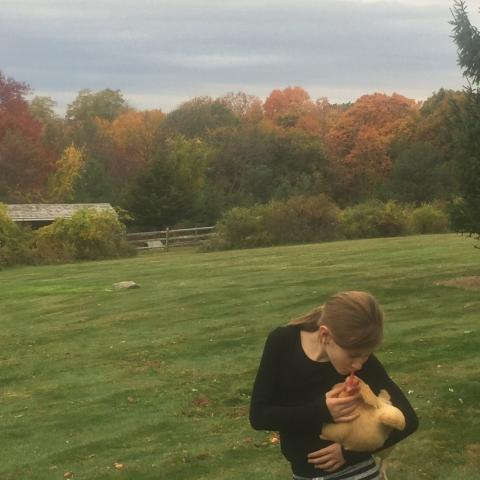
(310, 321)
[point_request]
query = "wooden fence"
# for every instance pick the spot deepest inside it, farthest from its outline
(170, 238)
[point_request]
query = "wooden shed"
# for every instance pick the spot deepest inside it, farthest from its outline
(40, 214)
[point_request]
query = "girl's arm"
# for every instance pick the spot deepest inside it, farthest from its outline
(265, 411)
(378, 379)
(375, 375)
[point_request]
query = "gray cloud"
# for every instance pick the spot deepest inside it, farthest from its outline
(159, 53)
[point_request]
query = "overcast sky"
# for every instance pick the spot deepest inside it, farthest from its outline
(160, 53)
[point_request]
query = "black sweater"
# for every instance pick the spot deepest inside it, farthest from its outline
(289, 397)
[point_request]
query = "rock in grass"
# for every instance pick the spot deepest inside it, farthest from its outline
(125, 285)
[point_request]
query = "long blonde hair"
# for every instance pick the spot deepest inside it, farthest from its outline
(354, 319)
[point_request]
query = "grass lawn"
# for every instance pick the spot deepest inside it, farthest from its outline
(158, 379)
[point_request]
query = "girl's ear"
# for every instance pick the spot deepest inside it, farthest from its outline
(324, 334)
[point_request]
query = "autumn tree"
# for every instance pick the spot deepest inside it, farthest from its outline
(287, 107)
(82, 114)
(328, 114)
(25, 162)
(466, 213)
(131, 140)
(69, 169)
(360, 140)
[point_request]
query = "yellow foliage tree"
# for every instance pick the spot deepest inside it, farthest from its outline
(69, 169)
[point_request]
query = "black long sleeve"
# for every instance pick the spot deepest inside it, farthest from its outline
(289, 396)
(267, 411)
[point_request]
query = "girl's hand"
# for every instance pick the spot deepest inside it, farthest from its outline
(329, 458)
(342, 408)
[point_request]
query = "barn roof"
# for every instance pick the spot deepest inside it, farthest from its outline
(44, 212)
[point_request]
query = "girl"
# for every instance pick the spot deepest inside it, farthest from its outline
(293, 391)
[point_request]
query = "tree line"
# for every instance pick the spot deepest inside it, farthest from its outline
(212, 154)
(209, 155)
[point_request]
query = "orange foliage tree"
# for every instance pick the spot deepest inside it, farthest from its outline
(286, 107)
(293, 108)
(322, 118)
(131, 139)
(359, 142)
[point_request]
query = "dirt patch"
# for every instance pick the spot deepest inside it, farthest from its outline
(473, 454)
(467, 283)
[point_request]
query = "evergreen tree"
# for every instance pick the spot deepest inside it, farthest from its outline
(466, 211)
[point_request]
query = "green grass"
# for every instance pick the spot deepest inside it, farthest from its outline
(158, 378)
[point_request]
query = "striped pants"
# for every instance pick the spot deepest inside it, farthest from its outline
(367, 470)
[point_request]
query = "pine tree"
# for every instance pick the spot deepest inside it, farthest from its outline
(466, 211)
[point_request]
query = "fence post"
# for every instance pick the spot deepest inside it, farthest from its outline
(166, 240)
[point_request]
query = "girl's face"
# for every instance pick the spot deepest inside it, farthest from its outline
(344, 360)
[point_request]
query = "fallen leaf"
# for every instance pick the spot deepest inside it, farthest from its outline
(274, 438)
(68, 475)
(119, 466)
(201, 402)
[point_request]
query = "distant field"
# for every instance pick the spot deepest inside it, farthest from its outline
(157, 379)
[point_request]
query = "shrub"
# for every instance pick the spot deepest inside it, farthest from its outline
(213, 244)
(428, 219)
(239, 228)
(299, 219)
(374, 219)
(88, 235)
(462, 216)
(302, 219)
(392, 221)
(14, 241)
